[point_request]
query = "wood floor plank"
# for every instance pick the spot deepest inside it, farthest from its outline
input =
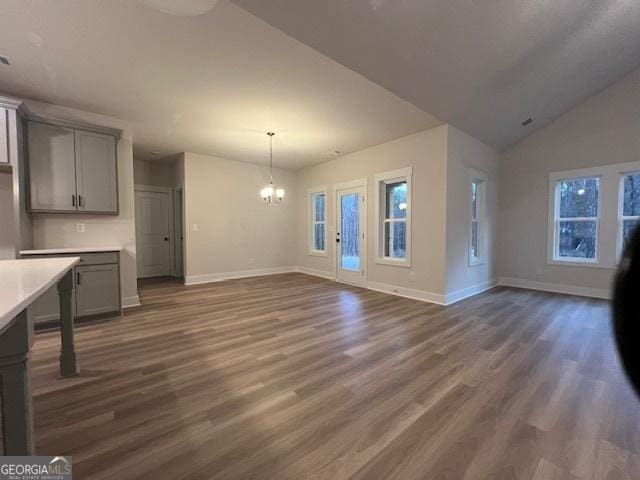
(292, 376)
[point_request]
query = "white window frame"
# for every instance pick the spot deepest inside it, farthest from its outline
(555, 179)
(321, 190)
(608, 242)
(621, 216)
(381, 180)
(480, 178)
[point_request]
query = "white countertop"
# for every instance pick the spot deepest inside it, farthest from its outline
(23, 281)
(53, 251)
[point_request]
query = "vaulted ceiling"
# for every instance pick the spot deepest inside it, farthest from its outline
(483, 66)
(212, 84)
(325, 75)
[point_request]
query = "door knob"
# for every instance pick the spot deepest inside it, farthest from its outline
(166, 239)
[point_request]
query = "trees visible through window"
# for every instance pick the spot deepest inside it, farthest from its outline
(395, 221)
(630, 205)
(476, 243)
(318, 222)
(393, 212)
(576, 219)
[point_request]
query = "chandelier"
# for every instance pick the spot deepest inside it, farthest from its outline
(271, 194)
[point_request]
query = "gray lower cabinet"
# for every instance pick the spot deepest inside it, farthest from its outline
(96, 290)
(71, 170)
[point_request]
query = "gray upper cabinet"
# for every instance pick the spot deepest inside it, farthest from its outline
(96, 174)
(71, 169)
(52, 182)
(4, 136)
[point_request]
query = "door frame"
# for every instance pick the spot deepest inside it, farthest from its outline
(155, 189)
(178, 192)
(358, 183)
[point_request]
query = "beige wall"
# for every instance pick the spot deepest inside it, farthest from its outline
(237, 233)
(59, 230)
(465, 153)
(603, 130)
(159, 173)
(426, 153)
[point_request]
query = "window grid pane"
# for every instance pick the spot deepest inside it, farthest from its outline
(579, 198)
(395, 238)
(631, 199)
(628, 229)
(318, 236)
(474, 240)
(318, 207)
(577, 238)
(396, 200)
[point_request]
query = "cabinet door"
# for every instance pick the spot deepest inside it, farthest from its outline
(96, 172)
(97, 289)
(4, 136)
(52, 178)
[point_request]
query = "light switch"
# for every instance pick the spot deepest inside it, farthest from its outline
(195, 227)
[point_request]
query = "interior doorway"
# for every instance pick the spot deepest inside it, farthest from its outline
(154, 231)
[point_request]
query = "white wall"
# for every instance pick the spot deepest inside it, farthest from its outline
(603, 130)
(237, 233)
(465, 153)
(159, 173)
(59, 230)
(426, 153)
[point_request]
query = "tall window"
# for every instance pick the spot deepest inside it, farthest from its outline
(318, 228)
(576, 219)
(629, 206)
(477, 227)
(393, 207)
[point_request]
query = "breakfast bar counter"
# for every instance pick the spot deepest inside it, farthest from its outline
(21, 283)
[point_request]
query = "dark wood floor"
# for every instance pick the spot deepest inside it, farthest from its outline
(291, 376)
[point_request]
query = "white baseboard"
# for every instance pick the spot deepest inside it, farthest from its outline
(407, 292)
(219, 277)
(128, 302)
(556, 288)
(461, 294)
(316, 273)
(421, 295)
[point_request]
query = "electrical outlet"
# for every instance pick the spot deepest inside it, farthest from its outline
(539, 271)
(412, 276)
(195, 227)
(80, 227)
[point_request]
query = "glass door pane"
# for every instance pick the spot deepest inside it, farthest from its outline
(350, 232)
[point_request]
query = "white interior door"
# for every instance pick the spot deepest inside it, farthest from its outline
(153, 234)
(351, 217)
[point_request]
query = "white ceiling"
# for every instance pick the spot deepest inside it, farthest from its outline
(212, 84)
(483, 66)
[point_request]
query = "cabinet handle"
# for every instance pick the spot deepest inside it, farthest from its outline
(73, 200)
(79, 200)
(78, 278)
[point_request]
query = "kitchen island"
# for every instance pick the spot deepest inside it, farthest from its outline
(22, 282)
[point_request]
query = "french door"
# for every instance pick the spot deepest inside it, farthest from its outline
(351, 218)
